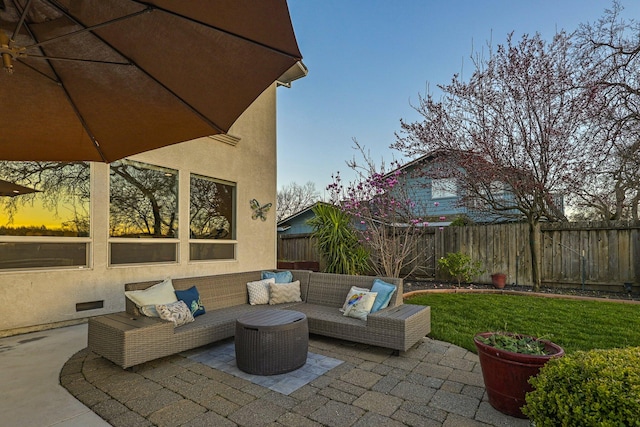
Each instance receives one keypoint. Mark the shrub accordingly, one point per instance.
(592, 388)
(460, 221)
(337, 241)
(460, 266)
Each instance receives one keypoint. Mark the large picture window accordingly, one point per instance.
(46, 225)
(143, 203)
(212, 225)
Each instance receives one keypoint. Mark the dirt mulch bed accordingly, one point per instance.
(412, 287)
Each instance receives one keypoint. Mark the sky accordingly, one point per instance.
(370, 60)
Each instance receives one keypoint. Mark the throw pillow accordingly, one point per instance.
(147, 299)
(385, 291)
(354, 290)
(176, 312)
(149, 310)
(286, 292)
(259, 291)
(191, 297)
(280, 276)
(359, 306)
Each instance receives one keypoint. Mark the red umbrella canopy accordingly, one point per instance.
(99, 80)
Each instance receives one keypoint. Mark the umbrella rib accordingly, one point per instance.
(57, 80)
(23, 15)
(95, 142)
(247, 39)
(95, 61)
(89, 29)
(41, 73)
(182, 101)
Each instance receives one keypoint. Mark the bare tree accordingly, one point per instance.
(211, 209)
(608, 53)
(59, 184)
(143, 201)
(518, 123)
(293, 198)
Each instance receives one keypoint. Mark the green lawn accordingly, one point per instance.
(572, 324)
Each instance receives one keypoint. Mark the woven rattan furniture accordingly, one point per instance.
(121, 337)
(270, 342)
(129, 342)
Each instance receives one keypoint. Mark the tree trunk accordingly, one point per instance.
(534, 246)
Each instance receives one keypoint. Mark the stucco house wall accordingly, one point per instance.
(40, 299)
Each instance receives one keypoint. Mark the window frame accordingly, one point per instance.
(86, 240)
(175, 241)
(446, 194)
(234, 223)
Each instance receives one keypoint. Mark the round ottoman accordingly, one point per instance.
(270, 342)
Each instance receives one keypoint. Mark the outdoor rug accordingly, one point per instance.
(223, 358)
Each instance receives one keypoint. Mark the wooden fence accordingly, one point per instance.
(299, 247)
(590, 254)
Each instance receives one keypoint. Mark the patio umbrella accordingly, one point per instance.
(11, 189)
(99, 80)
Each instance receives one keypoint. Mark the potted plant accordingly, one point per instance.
(499, 280)
(508, 361)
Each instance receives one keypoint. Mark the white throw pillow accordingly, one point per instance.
(259, 291)
(360, 304)
(176, 312)
(147, 299)
(354, 290)
(285, 292)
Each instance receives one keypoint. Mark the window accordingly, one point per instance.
(143, 204)
(497, 188)
(443, 188)
(48, 228)
(212, 225)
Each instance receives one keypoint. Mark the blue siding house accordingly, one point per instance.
(439, 195)
(296, 224)
(437, 199)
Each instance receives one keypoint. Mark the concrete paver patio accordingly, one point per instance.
(432, 384)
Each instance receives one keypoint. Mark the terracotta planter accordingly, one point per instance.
(506, 374)
(499, 280)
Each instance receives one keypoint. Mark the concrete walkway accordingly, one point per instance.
(30, 367)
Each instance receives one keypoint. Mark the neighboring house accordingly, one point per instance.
(201, 192)
(296, 224)
(436, 199)
(440, 195)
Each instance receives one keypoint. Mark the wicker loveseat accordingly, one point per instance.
(128, 338)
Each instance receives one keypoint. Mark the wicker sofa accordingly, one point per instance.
(128, 338)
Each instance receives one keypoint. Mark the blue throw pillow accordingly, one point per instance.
(191, 297)
(280, 276)
(385, 291)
